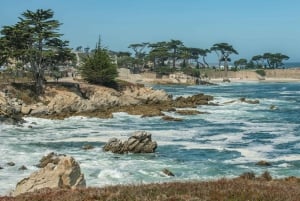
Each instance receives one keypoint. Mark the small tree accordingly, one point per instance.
(98, 68)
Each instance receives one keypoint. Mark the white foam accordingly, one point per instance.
(284, 165)
(108, 174)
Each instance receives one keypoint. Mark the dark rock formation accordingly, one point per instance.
(11, 164)
(23, 167)
(87, 147)
(263, 163)
(249, 101)
(168, 118)
(139, 142)
(168, 173)
(192, 101)
(190, 112)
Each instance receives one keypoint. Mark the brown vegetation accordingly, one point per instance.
(239, 189)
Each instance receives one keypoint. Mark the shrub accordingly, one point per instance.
(261, 72)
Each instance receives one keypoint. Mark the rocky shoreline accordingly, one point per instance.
(80, 99)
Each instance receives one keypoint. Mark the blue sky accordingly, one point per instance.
(251, 26)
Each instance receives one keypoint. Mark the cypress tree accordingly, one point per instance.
(98, 67)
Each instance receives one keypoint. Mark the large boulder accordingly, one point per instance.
(139, 142)
(65, 174)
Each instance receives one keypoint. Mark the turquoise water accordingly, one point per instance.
(226, 142)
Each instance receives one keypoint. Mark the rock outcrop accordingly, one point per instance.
(65, 174)
(62, 100)
(10, 110)
(92, 99)
(139, 142)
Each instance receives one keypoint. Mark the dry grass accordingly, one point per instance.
(254, 189)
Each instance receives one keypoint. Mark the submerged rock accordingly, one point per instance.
(139, 142)
(11, 164)
(23, 167)
(87, 147)
(168, 118)
(65, 174)
(249, 101)
(190, 112)
(263, 163)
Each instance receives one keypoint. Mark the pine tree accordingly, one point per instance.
(98, 67)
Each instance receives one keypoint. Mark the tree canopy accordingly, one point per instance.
(35, 42)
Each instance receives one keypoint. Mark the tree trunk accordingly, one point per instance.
(174, 58)
(204, 61)
(39, 82)
(226, 67)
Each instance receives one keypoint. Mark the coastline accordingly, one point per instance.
(212, 76)
(237, 80)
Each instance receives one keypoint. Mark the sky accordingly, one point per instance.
(252, 27)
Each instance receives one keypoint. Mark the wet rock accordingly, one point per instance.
(263, 163)
(11, 164)
(1, 167)
(115, 146)
(65, 174)
(23, 167)
(190, 112)
(168, 172)
(87, 147)
(168, 118)
(273, 107)
(244, 100)
(229, 102)
(139, 142)
(192, 101)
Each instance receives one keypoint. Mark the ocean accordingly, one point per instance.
(226, 142)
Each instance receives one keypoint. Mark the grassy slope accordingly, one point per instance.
(224, 189)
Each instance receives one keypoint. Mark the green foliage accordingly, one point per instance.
(98, 68)
(223, 50)
(164, 70)
(261, 72)
(269, 60)
(191, 71)
(240, 63)
(34, 40)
